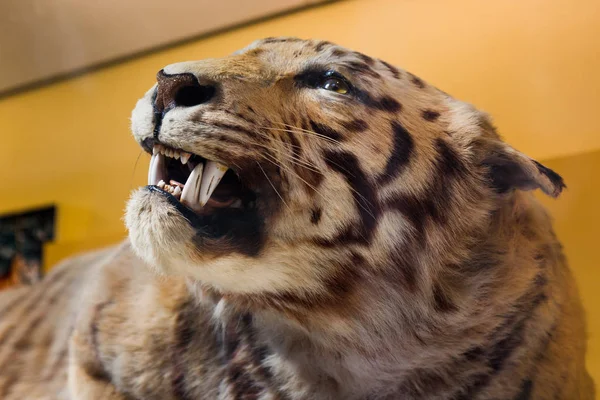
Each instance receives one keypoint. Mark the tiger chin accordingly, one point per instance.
(320, 224)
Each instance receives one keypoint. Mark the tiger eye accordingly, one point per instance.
(335, 85)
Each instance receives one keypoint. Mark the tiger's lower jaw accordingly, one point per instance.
(236, 221)
(164, 232)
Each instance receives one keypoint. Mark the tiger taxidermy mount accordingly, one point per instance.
(318, 224)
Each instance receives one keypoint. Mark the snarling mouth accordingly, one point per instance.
(196, 185)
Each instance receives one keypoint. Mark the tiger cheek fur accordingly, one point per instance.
(373, 238)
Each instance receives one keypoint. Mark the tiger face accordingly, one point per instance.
(297, 171)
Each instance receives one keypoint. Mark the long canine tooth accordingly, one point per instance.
(160, 168)
(157, 170)
(213, 173)
(155, 149)
(191, 191)
(185, 157)
(151, 170)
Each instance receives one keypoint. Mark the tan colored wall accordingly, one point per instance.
(577, 223)
(533, 64)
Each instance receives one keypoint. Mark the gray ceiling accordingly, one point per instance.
(44, 39)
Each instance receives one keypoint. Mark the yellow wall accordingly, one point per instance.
(533, 64)
(577, 222)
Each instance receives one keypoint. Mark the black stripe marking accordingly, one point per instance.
(417, 210)
(417, 81)
(255, 52)
(384, 103)
(184, 333)
(450, 164)
(338, 286)
(240, 116)
(362, 68)
(15, 300)
(449, 167)
(389, 104)
(347, 235)
(395, 71)
(99, 371)
(315, 215)
(258, 354)
(242, 383)
(33, 302)
(319, 47)
(25, 341)
(504, 341)
(355, 125)
(506, 346)
(347, 276)
(346, 164)
(52, 277)
(58, 364)
(435, 203)
(499, 354)
(295, 144)
(430, 115)
(228, 341)
(337, 52)
(311, 179)
(365, 58)
(6, 334)
(237, 129)
(402, 151)
(325, 131)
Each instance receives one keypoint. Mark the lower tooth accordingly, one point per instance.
(175, 183)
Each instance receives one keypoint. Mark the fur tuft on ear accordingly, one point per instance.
(510, 169)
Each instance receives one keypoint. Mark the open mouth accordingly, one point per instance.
(193, 183)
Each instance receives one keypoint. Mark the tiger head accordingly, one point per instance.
(294, 173)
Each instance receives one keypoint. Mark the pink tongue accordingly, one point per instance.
(220, 204)
(223, 196)
(212, 205)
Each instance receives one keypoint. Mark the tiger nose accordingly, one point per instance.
(181, 90)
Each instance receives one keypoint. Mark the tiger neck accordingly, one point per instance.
(393, 333)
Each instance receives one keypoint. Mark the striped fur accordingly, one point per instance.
(396, 254)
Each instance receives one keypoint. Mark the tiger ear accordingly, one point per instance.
(511, 169)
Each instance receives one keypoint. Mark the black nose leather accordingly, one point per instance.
(182, 90)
